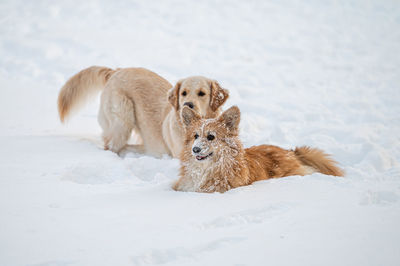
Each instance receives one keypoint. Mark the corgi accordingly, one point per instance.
(213, 158)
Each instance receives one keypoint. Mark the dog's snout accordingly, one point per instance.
(196, 149)
(190, 104)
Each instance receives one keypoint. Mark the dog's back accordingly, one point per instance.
(267, 161)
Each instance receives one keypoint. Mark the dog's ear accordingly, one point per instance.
(231, 118)
(189, 116)
(173, 95)
(218, 95)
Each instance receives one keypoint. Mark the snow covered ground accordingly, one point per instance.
(318, 73)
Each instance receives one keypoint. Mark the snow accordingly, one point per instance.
(324, 74)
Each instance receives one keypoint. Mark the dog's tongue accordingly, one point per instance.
(198, 157)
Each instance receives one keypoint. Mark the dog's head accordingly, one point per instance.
(201, 94)
(211, 139)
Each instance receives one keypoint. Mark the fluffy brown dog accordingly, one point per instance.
(214, 160)
(140, 100)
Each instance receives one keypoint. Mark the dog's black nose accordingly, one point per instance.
(196, 149)
(190, 104)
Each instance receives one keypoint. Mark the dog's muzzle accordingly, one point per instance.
(189, 104)
(196, 152)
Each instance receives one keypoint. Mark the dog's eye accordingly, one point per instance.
(201, 93)
(184, 93)
(196, 136)
(210, 137)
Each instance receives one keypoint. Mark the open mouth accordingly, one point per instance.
(200, 158)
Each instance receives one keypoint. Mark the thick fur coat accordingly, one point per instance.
(214, 160)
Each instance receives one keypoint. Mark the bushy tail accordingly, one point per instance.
(80, 87)
(318, 160)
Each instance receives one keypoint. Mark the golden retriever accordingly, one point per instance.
(139, 100)
(214, 160)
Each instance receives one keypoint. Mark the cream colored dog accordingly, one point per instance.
(140, 100)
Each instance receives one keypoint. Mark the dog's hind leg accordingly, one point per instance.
(117, 120)
(104, 124)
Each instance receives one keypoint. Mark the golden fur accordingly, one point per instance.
(221, 163)
(137, 99)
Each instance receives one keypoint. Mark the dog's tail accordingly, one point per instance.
(80, 87)
(318, 160)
